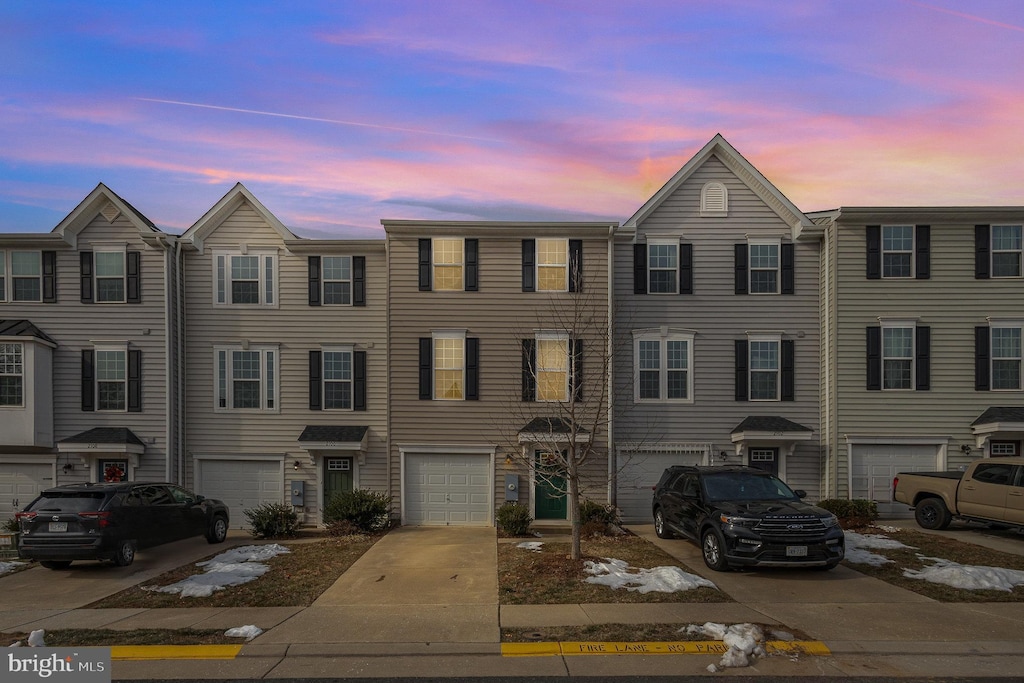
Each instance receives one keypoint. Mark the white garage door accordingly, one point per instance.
(241, 484)
(448, 489)
(20, 483)
(639, 471)
(875, 465)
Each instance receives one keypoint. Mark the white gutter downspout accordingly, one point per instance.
(169, 390)
(179, 341)
(610, 379)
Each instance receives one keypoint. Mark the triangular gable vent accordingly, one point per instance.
(110, 212)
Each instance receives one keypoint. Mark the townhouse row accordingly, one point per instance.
(449, 363)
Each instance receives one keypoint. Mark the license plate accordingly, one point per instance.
(58, 526)
(796, 551)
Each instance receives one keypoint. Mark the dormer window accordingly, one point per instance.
(714, 200)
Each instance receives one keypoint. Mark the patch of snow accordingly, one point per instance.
(37, 638)
(886, 527)
(616, 574)
(967, 577)
(9, 566)
(857, 548)
(231, 568)
(535, 546)
(248, 632)
(745, 643)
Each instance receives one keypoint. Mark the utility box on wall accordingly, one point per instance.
(511, 487)
(298, 493)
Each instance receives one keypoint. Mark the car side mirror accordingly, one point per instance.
(800, 493)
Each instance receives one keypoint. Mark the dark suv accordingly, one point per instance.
(112, 521)
(742, 516)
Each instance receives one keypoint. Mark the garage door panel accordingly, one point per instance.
(638, 474)
(20, 483)
(874, 466)
(445, 489)
(241, 484)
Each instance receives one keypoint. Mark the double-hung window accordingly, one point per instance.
(1006, 251)
(897, 251)
(663, 366)
(111, 379)
(897, 357)
(449, 258)
(1006, 358)
(110, 276)
(449, 366)
(764, 370)
(337, 276)
(337, 378)
(765, 367)
(552, 265)
(552, 367)
(245, 279)
(246, 378)
(26, 276)
(764, 267)
(449, 264)
(663, 267)
(12, 375)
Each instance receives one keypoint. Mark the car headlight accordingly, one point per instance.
(739, 521)
(830, 521)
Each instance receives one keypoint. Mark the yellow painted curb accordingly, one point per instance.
(151, 652)
(698, 647)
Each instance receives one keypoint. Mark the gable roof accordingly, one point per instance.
(719, 147)
(104, 200)
(227, 205)
(24, 328)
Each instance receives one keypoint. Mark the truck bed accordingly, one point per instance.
(948, 474)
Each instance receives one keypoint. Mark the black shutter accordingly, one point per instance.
(787, 257)
(922, 361)
(49, 277)
(788, 370)
(576, 375)
(742, 363)
(314, 281)
(529, 265)
(133, 265)
(425, 265)
(426, 368)
(873, 335)
(575, 265)
(85, 258)
(359, 380)
(472, 250)
(529, 363)
(358, 280)
(742, 254)
(134, 381)
(923, 252)
(88, 381)
(982, 247)
(873, 238)
(315, 381)
(472, 369)
(982, 348)
(639, 268)
(686, 268)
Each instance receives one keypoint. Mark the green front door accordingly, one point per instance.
(549, 491)
(337, 476)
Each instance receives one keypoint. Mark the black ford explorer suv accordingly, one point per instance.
(742, 516)
(110, 521)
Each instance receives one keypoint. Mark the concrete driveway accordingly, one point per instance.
(87, 581)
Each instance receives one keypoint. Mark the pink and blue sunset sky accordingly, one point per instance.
(338, 114)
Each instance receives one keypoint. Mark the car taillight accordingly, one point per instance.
(27, 516)
(102, 518)
(895, 481)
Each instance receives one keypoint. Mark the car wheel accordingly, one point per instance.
(932, 513)
(218, 530)
(125, 554)
(659, 525)
(55, 564)
(712, 546)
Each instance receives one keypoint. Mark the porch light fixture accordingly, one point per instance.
(723, 455)
(67, 467)
(966, 448)
(295, 465)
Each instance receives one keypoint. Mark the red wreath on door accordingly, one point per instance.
(113, 473)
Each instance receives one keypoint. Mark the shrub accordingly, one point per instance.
(597, 518)
(342, 527)
(851, 513)
(10, 526)
(514, 519)
(365, 510)
(272, 520)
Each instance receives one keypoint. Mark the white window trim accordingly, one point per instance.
(123, 251)
(913, 250)
(434, 263)
(222, 259)
(538, 266)
(9, 287)
(23, 375)
(707, 211)
(264, 351)
(675, 280)
(1009, 323)
(446, 334)
(120, 348)
(757, 241)
(324, 280)
(663, 336)
(900, 324)
(340, 348)
(775, 338)
(557, 336)
(993, 252)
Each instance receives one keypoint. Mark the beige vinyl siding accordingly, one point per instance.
(500, 314)
(76, 326)
(296, 328)
(719, 317)
(951, 303)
